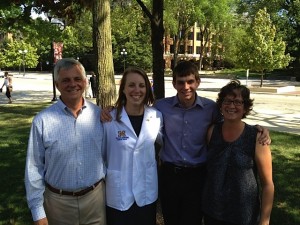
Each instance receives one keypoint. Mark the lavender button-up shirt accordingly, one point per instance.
(185, 130)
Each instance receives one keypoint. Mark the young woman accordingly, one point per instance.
(129, 139)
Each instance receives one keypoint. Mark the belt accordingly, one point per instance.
(73, 193)
(182, 169)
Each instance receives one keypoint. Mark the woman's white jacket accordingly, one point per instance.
(130, 160)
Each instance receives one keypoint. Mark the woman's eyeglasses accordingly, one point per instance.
(235, 102)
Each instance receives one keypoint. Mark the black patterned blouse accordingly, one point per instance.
(231, 192)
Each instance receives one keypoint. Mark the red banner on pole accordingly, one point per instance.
(57, 51)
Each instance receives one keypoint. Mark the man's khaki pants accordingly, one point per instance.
(88, 209)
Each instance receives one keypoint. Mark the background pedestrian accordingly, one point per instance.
(8, 85)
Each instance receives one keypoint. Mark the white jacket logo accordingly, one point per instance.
(121, 135)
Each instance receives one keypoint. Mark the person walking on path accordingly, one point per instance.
(87, 93)
(235, 160)
(64, 172)
(93, 83)
(9, 87)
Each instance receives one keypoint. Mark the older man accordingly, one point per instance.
(64, 167)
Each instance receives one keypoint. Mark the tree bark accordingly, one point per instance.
(104, 70)
(261, 79)
(157, 34)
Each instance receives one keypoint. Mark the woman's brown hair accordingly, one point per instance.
(121, 101)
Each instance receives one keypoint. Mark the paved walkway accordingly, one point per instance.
(276, 111)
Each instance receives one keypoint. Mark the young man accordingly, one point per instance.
(64, 167)
(187, 117)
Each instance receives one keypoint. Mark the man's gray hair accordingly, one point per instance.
(67, 63)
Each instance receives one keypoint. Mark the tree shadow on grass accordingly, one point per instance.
(286, 167)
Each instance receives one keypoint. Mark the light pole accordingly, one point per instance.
(124, 54)
(52, 70)
(61, 25)
(23, 52)
(47, 63)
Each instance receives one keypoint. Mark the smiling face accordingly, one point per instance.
(235, 91)
(186, 87)
(134, 90)
(71, 84)
(232, 106)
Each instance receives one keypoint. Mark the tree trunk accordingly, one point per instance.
(200, 61)
(106, 93)
(157, 34)
(201, 51)
(175, 54)
(176, 44)
(261, 79)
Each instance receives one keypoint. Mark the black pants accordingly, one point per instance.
(180, 192)
(7, 93)
(135, 215)
(94, 92)
(211, 221)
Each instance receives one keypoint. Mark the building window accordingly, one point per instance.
(191, 36)
(198, 50)
(181, 49)
(171, 48)
(198, 36)
(190, 49)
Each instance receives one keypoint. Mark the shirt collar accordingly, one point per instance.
(198, 101)
(64, 108)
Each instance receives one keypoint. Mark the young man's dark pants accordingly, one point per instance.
(180, 193)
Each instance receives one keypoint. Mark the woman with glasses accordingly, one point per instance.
(232, 194)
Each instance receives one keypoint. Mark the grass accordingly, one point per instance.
(15, 121)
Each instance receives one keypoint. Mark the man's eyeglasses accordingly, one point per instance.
(235, 102)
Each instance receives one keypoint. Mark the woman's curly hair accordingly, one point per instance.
(230, 89)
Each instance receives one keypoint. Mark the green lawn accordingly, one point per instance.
(15, 123)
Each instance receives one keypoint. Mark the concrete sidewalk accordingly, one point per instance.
(276, 111)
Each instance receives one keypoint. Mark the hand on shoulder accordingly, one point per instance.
(105, 114)
(264, 136)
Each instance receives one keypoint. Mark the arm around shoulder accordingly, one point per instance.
(209, 133)
(105, 114)
(264, 138)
